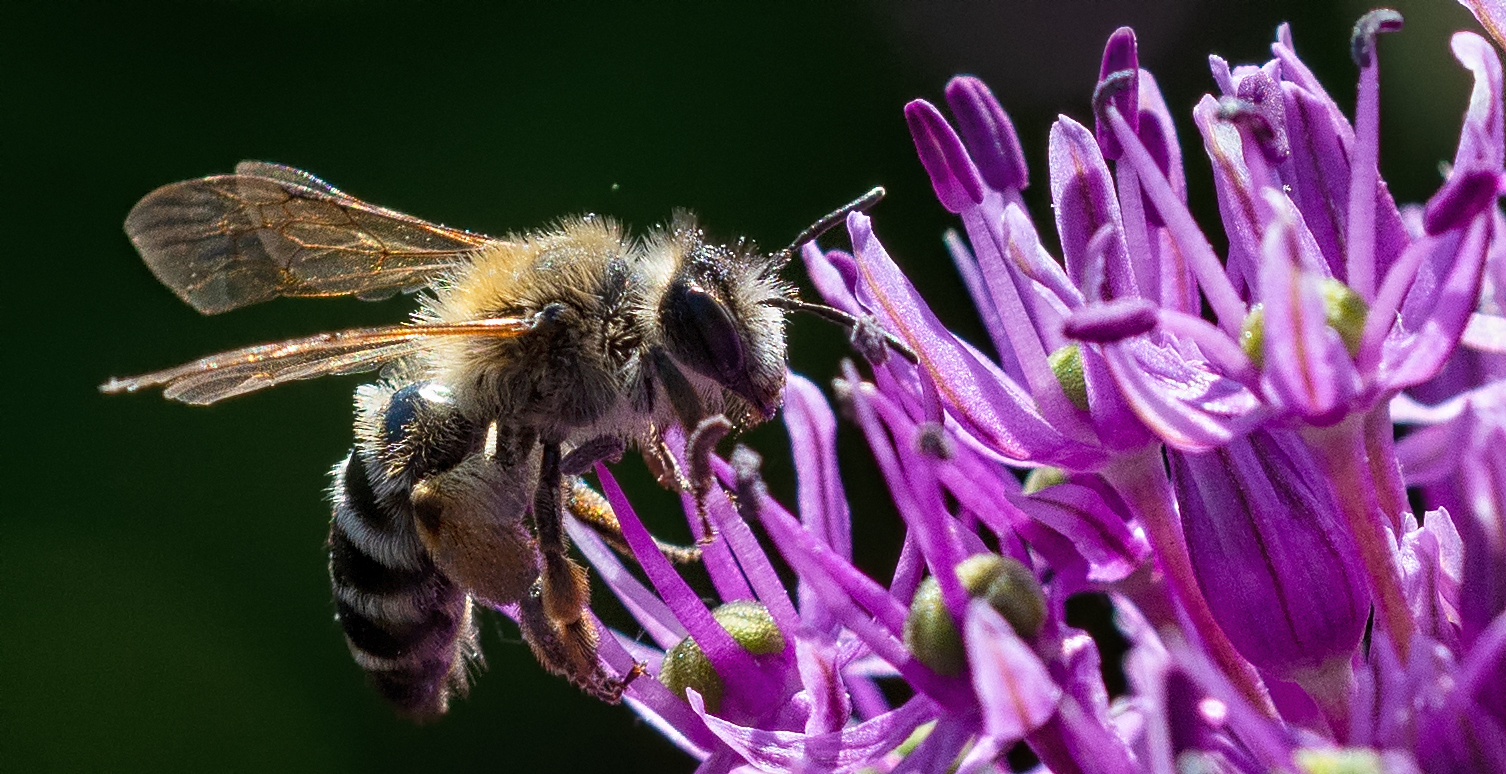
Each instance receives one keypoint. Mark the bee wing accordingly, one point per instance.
(268, 230)
(240, 371)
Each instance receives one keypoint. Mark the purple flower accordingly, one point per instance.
(1232, 483)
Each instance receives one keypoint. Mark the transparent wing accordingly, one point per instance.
(268, 230)
(240, 371)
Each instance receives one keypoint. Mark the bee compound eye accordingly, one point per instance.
(703, 334)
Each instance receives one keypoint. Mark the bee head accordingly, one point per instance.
(717, 323)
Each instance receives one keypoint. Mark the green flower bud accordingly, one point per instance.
(1008, 586)
(1042, 477)
(1345, 312)
(751, 625)
(1252, 335)
(686, 665)
(930, 633)
(1350, 761)
(1066, 363)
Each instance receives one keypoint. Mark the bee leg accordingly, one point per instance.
(569, 650)
(591, 509)
(566, 589)
(581, 458)
(661, 462)
(702, 444)
(470, 519)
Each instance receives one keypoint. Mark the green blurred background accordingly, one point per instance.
(163, 599)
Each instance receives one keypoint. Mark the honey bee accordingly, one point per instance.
(529, 358)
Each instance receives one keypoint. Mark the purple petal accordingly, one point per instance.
(977, 395)
(1266, 115)
(840, 752)
(1438, 313)
(831, 707)
(1460, 199)
(1014, 689)
(733, 664)
(1238, 201)
(1119, 55)
(915, 494)
(1429, 454)
(1222, 77)
(823, 504)
(1032, 260)
(1491, 14)
(1008, 251)
(1222, 352)
(1159, 134)
(646, 608)
(953, 175)
(1110, 321)
(1186, 405)
(977, 288)
(751, 559)
(1306, 363)
(861, 605)
(1112, 549)
(828, 278)
(940, 748)
(1431, 560)
(1468, 733)
(1317, 172)
(1364, 174)
(652, 701)
(988, 133)
(1085, 201)
(1485, 333)
(1481, 141)
(1184, 231)
(1263, 531)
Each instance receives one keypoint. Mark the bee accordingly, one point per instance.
(529, 358)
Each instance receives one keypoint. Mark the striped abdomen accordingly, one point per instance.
(408, 625)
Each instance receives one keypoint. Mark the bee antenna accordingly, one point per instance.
(867, 335)
(825, 224)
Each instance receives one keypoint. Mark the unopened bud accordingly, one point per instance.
(1252, 335)
(1009, 588)
(1344, 311)
(1066, 363)
(686, 665)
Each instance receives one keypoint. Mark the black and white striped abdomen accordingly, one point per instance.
(407, 625)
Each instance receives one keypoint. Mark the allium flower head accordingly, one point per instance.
(1231, 483)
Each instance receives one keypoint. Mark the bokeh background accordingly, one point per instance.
(163, 599)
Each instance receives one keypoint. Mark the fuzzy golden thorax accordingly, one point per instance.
(623, 331)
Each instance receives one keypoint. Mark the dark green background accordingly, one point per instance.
(163, 600)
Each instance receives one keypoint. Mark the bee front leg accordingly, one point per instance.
(588, 507)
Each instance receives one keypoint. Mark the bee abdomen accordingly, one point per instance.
(408, 626)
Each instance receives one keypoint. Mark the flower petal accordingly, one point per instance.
(982, 399)
(988, 133)
(953, 175)
(840, 752)
(1014, 689)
